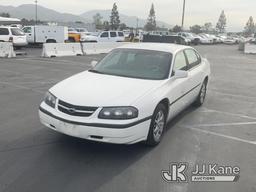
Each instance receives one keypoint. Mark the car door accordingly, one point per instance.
(176, 85)
(195, 74)
(104, 37)
(4, 34)
(29, 34)
(113, 36)
(120, 36)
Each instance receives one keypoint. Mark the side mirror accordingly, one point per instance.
(179, 74)
(94, 63)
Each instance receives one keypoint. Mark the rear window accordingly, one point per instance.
(4, 31)
(17, 32)
(113, 34)
(120, 34)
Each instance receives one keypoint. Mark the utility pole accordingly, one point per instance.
(36, 10)
(183, 14)
(137, 25)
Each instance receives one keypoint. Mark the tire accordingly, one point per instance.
(71, 40)
(155, 133)
(202, 94)
(50, 41)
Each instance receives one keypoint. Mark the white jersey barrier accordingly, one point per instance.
(250, 48)
(6, 50)
(99, 48)
(61, 49)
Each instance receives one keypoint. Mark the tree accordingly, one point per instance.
(207, 27)
(123, 26)
(151, 23)
(249, 29)
(106, 26)
(5, 15)
(97, 21)
(222, 23)
(79, 22)
(177, 29)
(114, 18)
(25, 22)
(196, 29)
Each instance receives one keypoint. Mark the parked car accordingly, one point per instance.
(130, 95)
(89, 37)
(193, 39)
(14, 35)
(127, 33)
(230, 41)
(111, 36)
(204, 39)
(73, 35)
(46, 34)
(81, 30)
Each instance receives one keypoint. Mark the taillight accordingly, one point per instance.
(11, 39)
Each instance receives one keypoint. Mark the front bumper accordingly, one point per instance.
(20, 44)
(115, 133)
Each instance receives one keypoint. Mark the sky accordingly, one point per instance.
(169, 11)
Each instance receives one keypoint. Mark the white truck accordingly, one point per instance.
(46, 34)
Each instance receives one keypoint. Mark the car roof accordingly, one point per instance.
(164, 47)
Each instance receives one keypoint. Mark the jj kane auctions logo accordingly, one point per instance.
(201, 173)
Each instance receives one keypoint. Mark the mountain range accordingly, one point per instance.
(27, 11)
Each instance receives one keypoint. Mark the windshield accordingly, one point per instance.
(17, 32)
(133, 63)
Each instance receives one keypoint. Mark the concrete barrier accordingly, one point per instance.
(250, 48)
(99, 48)
(61, 49)
(241, 46)
(6, 50)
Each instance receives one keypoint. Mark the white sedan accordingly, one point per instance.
(129, 96)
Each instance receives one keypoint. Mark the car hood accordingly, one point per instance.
(92, 89)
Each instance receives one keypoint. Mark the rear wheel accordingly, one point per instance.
(50, 41)
(202, 94)
(71, 40)
(157, 126)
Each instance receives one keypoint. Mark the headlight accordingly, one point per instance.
(118, 113)
(50, 99)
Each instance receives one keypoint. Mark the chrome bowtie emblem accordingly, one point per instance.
(71, 110)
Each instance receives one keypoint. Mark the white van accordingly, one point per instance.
(111, 36)
(46, 34)
(14, 35)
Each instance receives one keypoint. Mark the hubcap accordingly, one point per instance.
(159, 125)
(203, 93)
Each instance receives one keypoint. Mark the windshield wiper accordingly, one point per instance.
(95, 71)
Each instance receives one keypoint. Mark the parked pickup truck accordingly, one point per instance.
(46, 34)
(14, 35)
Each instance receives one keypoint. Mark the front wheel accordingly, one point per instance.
(157, 126)
(202, 94)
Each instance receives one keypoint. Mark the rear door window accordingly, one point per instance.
(120, 34)
(113, 34)
(4, 31)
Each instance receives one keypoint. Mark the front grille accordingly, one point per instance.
(75, 110)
